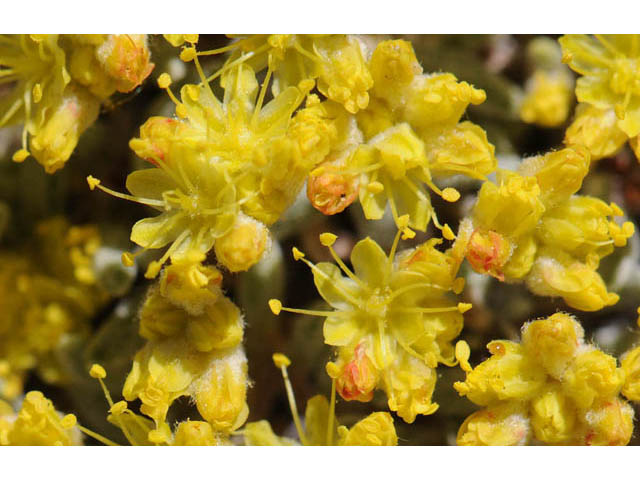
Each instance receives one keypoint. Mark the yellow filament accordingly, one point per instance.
(346, 269)
(263, 92)
(292, 405)
(97, 436)
(124, 196)
(332, 413)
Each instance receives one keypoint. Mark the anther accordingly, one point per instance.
(93, 182)
(97, 371)
(21, 155)
(328, 239)
(297, 254)
(275, 305)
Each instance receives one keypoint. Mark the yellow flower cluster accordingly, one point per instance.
(531, 227)
(224, 169)
(549, 90)
(37, 423)
(608, 91)
(550, 388)
(321, 427)
(336, 61)
(48, 293)
(391, 321)
(58, 84)
(409, 132)
(141, 431)
(193, 349)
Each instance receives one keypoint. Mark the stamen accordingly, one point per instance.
(276, 307)
(281, 361)
(263, 92)
(402, 223)
(328, 239)
(461, 307)
(97, 436)
(94, 182)
(230, 65)
(216, 51)
(154, 267)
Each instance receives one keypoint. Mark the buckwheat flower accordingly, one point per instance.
(391, 321)
(596, 129)
(216, 380)
(549, 90)
(126, 59)
(321, 428)
(499, 425)
(58, 135)
(610, 69)
(140, 430)
(194, 433)
(189, 284)
(224, 170)
(531, 227)
(337, 62)
(188, 354)
(36, 64)
(59, 83)
(37, 423)
(412, 134)
(610, 82)
(551, 387)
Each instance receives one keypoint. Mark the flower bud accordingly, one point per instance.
(53, 144)
(126, 58)
(194, 433)
(243, 246)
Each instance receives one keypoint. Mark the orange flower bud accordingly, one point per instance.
(332, 192)
(358, 377)
(488, 252)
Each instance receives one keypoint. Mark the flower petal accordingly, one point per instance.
(370, 263)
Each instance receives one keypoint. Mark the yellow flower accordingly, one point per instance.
(531, 227)
(194, 433)
(547, 99)
(551, 387)
(140, 430)
(216, 380)
(219, 164)
(413, 132)
(190, 285)
(37, 423)
(596, 129)
(610, 85)
(391, 321)
(548, 92)
(59, 82)
(499, 425)
(336, 61)
(610, 69)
